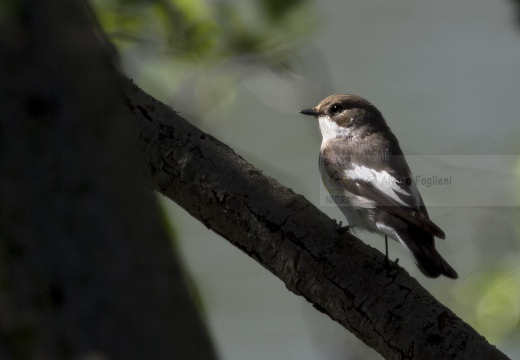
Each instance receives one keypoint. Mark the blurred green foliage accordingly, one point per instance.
(489, 300)
(197, 31)
(200, 50)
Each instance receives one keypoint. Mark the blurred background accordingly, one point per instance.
(445, 76)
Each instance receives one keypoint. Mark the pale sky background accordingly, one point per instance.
(445, 75)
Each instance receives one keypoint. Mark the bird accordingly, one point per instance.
(364, 169)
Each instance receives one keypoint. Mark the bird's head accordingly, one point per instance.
(344, 115)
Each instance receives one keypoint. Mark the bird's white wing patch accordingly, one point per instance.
(380, 180)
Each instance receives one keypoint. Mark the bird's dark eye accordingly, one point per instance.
(336, 109)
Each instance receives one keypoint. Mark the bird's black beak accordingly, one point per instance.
(311, 111)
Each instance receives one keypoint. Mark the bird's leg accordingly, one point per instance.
(386, 264)
(387, 260)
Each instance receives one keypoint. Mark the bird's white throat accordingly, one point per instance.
(330, 129)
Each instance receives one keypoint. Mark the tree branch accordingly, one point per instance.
(341, 276)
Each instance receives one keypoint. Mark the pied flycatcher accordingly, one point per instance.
(365, 171)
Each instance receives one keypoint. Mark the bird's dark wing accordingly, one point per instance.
(383, 180)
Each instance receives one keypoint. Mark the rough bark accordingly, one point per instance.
(340, 276)
(87, 268)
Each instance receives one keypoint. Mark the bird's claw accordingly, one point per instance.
(389, 265)
(341, 229)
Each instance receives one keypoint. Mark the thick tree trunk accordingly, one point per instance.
(87, 268)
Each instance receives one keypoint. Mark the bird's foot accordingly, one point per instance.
(341, 229)
(389, 265)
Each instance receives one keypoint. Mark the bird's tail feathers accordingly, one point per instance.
(427, 258)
